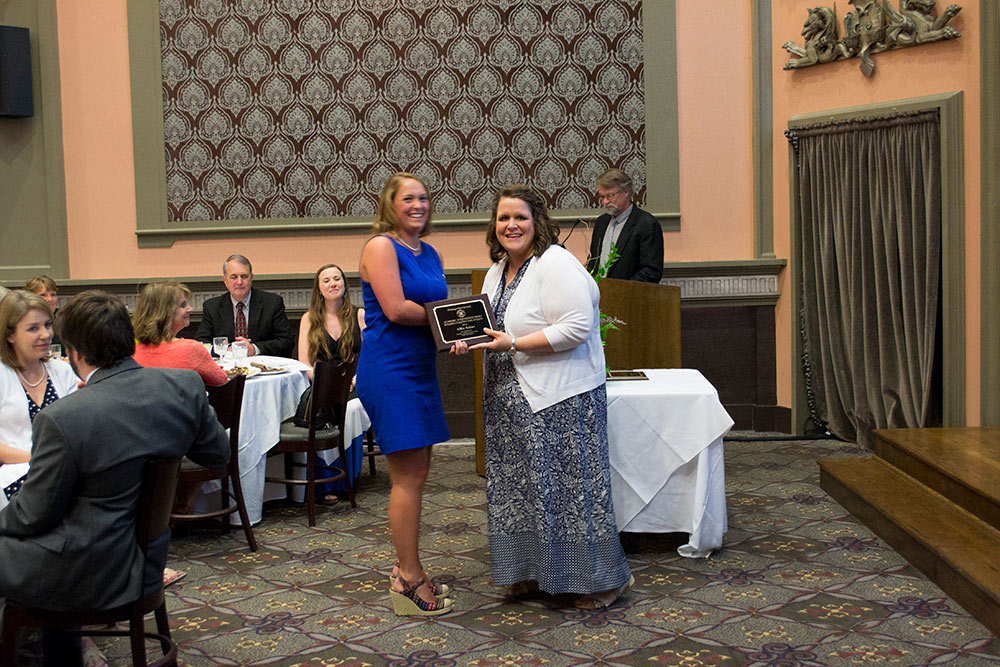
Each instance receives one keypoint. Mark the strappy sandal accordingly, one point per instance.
(604, 599)
(437, 590)
(408, 603)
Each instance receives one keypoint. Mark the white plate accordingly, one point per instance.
(277, 372)
(251, 371)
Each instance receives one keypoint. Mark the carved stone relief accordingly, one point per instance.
(874, 26)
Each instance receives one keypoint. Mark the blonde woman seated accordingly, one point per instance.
(163, 311)
(29, 379)
(45, 287)
(331, 329)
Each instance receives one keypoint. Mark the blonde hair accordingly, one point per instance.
(347, 315)
(154, 315)
(40, 283)
(13, 307)
(385, 215)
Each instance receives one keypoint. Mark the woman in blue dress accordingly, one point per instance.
(548, 480)
(397, 374)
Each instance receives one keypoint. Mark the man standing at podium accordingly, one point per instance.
(634, 232)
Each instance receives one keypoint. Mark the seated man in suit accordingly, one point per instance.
(635, 233)
(245, 313)
(67, 538)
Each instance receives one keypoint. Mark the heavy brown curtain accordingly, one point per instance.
(869, 205)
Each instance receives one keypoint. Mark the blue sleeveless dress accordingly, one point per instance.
(397, 370)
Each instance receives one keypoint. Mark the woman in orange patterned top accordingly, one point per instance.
(163, 311)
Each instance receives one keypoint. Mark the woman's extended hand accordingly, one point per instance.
(500, 343)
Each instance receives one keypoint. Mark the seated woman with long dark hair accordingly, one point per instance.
(330, 331)
(163, 311)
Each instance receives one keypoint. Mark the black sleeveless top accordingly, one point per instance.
(334, 343)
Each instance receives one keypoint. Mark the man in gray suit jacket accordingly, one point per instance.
(265, 325)
(635, 233)
(67, 538)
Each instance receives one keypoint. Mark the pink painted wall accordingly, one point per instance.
(931, 69)
(714, 112)
(714, 91)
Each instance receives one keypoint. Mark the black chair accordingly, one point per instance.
(331, 389)
(228, 403)
(159, 483)
(371, 450)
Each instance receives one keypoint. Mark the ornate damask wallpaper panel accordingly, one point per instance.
(302, 108)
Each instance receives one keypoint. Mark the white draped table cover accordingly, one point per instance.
(665, 447)
(267, 401)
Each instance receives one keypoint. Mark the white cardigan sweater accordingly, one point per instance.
(557, 296)
(15, 426)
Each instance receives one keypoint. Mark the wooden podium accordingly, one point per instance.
(650, 337)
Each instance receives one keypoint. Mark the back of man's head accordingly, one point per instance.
(97, 325)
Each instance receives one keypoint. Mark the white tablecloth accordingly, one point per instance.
(267, 401)
(665, 446)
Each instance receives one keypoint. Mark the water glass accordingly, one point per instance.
(220, 345)
(240, 350)
(55, 350)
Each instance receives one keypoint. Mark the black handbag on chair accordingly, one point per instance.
(301, 416)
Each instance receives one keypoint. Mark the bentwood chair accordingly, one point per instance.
(228, 403)
(371, 450)
(331, 390)
(159, 482)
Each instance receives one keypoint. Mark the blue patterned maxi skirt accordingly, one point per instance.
(548, 489)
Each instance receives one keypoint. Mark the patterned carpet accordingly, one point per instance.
(799, 582)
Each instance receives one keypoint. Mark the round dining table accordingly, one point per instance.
(270, 398)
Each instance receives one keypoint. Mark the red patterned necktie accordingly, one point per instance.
(241, 321)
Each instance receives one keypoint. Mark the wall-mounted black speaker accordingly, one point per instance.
(15, 72)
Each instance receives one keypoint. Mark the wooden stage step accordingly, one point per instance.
(951, 546)
(962, 464)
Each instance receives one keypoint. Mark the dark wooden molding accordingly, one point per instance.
(763, 134)
(989, 223)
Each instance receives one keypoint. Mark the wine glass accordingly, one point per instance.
(55, 350)
(220, 345)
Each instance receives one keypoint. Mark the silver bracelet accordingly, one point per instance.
(513, 345)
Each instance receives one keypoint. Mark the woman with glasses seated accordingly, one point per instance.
(163, 311)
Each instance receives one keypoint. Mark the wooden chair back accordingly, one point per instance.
(156, 497)
(228, 403)
(331, 391)
(227, 400)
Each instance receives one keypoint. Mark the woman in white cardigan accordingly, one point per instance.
(29, 379)
(548, 483)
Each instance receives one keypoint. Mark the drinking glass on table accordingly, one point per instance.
(240, 350)
(55, 350)
(220, 345)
